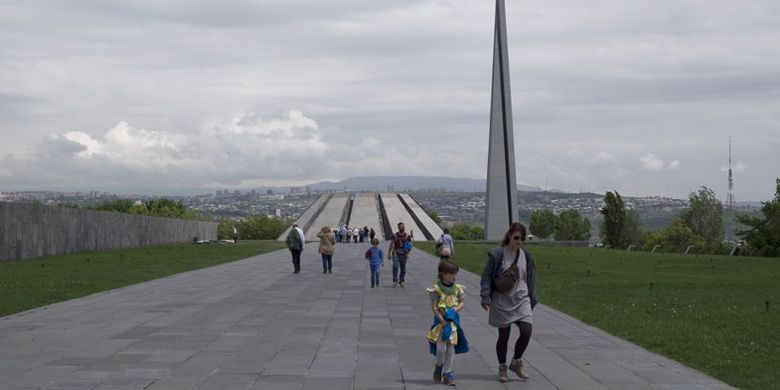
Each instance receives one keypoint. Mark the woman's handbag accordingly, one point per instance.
(506, 281)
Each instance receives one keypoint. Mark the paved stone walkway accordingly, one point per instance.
(253, 324)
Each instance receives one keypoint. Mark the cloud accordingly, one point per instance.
(385, 87)
(651, 163)
(244, 151)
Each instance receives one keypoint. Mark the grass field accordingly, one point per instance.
(38, 282)
(707, 312)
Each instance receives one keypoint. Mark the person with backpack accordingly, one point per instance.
(400, 246)
(508, 291)
(295, 242)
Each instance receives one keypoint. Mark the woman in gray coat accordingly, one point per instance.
(513, 306)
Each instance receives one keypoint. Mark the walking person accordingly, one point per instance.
(349, 234)
(327, 243)
(398, 251)
(295, 242)
(376, 259)
(372, 234)
(445, 247)
(508, 291)
(342, 233)
(235, 235)
(355, 233)
(446, 338)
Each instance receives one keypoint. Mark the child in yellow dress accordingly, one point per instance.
(446, 337)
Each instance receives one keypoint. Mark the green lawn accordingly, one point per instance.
(28, 284)
(707, 312)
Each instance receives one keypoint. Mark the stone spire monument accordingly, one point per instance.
(501, 200)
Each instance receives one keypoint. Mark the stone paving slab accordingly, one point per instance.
(252, 324)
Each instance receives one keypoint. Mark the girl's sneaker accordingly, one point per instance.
(449, 379)
(437, 374)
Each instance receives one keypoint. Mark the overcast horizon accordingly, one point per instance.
(179, 97)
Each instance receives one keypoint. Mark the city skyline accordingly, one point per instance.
(177, 98)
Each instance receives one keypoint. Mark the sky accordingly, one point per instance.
(177, 97)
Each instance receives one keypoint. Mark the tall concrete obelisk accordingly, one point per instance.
(501, 207)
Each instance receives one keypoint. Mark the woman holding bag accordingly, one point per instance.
(508, 291)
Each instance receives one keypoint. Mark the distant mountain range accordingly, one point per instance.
(410, 183)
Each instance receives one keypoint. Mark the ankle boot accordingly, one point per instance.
(517, 367)
(502, 376)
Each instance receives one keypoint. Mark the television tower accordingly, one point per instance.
(730, 201)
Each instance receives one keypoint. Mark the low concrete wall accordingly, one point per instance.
(33, 230)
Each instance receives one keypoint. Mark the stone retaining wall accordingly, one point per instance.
(33, 230)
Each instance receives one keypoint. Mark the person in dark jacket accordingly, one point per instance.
(295, 242)
(514, 306)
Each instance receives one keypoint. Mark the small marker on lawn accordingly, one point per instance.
(767, 306)
(651, 285)
(588, 272)
(548, 265)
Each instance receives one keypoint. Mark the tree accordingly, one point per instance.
(571, 226)
(464, 231)
(165, 208)
(632, 229)
(621, 228)
(763, 236)
(435, 217)
(674, 238)
(119, 205)
(155, 208)
(259, 227)
(705, 218)
(542, 223)
(225, 229)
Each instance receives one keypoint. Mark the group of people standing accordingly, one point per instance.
(345, 234)
(507, 291)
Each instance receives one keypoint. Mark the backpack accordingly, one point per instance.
(402, 244)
